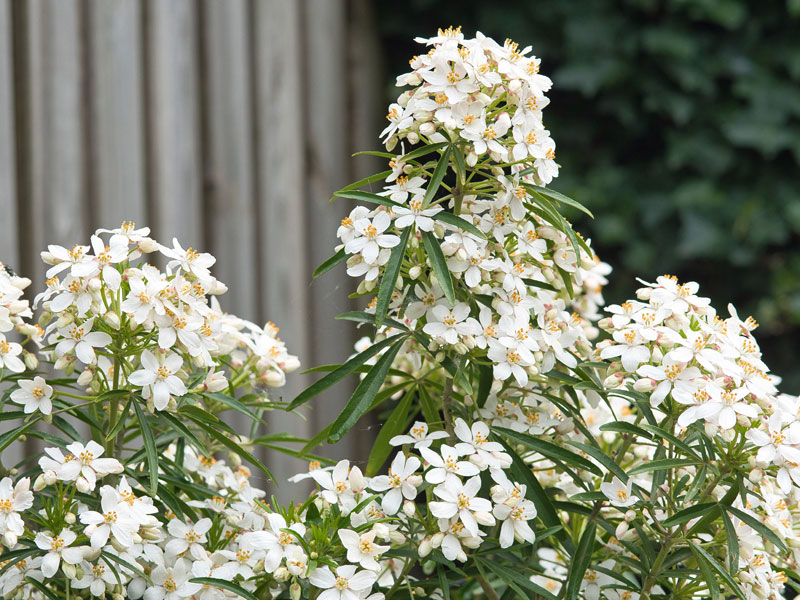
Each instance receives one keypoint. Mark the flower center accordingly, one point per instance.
(342, 583)
(170, 585)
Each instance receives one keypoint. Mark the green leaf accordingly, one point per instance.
(232, 403)
(663, 464)
(559, 197)
(687, 514)
(43, 588)
(602, 458)
(359, 316)
(623, 427)
(393, 426)
(149, 447)
(341, 372)
(368, 198)
(678, 443)
(732, 541)
(422, 151)
(540, 284)
(389, 279)
(224, 584)
(10, 437)
(439, 264)
(443, 585)
(550, 450)
(461, 167)
(123, 416)
(436, 178)
(334, 260)
(721, 571)
(365, 393)
(760, 527)
(176, 424)
(235, 448)
(451, 219)
(580, 561)
(708, 574)
(367, 180)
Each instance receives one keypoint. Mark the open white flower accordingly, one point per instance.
(82, 464)
(34, 394)
(172, 583)
(418, 436)
(95, 577)
(13, 500)
(103, 260)
(187, 536)
(57, 547)
(460, 499)
(446, 463)
(448, 325)
(9, 355)
(371, 237)
(347, 584)
(401, 482)
(361, 548)
(157, 378)
(618, 493)
(189, 261)
(515, 521)
(475, 444)
(83, 340)
(114, 520)
(416, 215)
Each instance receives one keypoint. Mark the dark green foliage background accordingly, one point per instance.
(678, 125)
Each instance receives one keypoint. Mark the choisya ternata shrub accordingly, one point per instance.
(522, 452)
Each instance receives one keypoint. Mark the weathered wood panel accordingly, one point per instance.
(8, 163)
(117, 112)
(175, 207)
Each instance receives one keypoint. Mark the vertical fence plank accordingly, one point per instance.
(327, 150)
(8, 164)
(118, 175)
(282, 239)
(230, 201)
(174, 124)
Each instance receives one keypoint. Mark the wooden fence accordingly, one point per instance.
(226, 123)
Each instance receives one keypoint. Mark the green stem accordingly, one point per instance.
(487, 588)
(446, 398)
(652, 577)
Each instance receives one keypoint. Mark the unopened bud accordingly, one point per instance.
(436, 539)
(711, 429)
(755, 476)
(85, 378)
(83, 485)
(70, 571)
(147, 245)
(10, 539)
(606, 323)
(70, 519)
(622, 529)
(630, 515)
(484, 518)
(614, 381)
(39, 483)
(281, 574)
(31, 362)
(425, 547)
(295, 590)
(415, 271)
(412, 137)
(112, 319)
(427, 129)
(397, 537)
(645, 385)
(409, 508)
(644, 293)
(64, 319)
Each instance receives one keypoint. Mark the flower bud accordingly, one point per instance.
(409, 508)
(95, 284)
(622, 529)
(427, 129)
(436, 539)
(644, 293)
(755, 476)
(85, 378)
(39, 483)
(630, 515)
(645, 385)
(412, 137)
(31, 362)
(64, 319)
(484, 518)
(397, 538)
(606, 323)
(657, 355)
(461, 556)
(83, 485)
(281, 574)
(50, 477)
(711, 429)
(295, 590)
(472, 158)
(391, 143)
(428, 567)
(415, 271)
(70, 571)
(271, 378)
(425, 547)
(147, 245)
(613, 381)
(112, 319)
(10, 539)
(370, 285)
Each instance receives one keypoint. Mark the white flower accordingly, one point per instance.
(475, 442)
(172, 583)
(361, 548)
(241, 562)
(187, 536)
(75, 290)
(114, 519)
(278, 542)
(189, 260)
(13, 500)
(34, 394)
(446, 463)
(618, 493)
(103, 261)
(57, 547)
(9, 355)
(341, 485)
(347, 584)
(419, 436)
(83, 340)
(144, 299)
(447, 325)
(400, 482)
(158, 379)
(460, 499)
(630, 347)
(486, 135)
(95, 577)
(416, 215)
(669, 374)
(83, 463)
(371, 237)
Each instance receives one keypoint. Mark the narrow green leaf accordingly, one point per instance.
(602, 458)
(389, 279)
(393, 426)
(732, 541)
(187, 433)
(708, 574)
(443, 585)
(550, 450)
(451, 219)
(232, 403)
(760, 527)
(437, 176)
(623, 427)
(43, 588)
(365, 393)
(151, 452)
(123, 416)
(373, 153)
(721, 571)
(359, 316)
(658, 432)
(539, 284)
(334, 260)
(461, 166)
(10, 437)
(224, 584)
(687, 514)
(439, 264)
(367, 180)
(580, 561)
(559, 197)
(341, 372)
(235, 448)
(663, 464)
(367, 197)
(422, 151)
